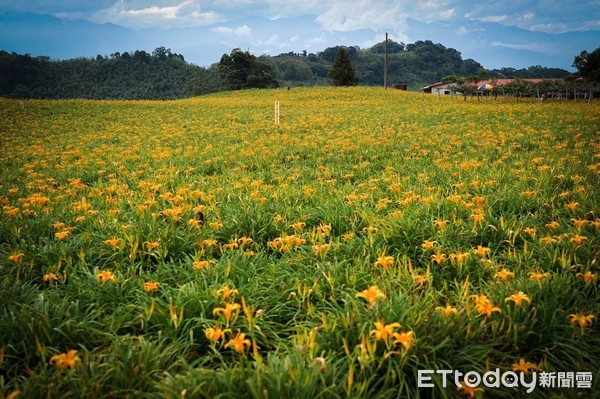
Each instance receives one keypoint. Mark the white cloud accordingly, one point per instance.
(170, 15)
(240, 31)
(381, 15)
(495, 18)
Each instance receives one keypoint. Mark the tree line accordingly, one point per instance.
(163, 74)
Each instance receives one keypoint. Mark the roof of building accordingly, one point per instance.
(493, 82)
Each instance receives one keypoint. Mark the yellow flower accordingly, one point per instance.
(419, 279)
(530, 230)
(239, 342)
(504, 274)
(325, 228)
(383, 332)
(215, 225)
(577, 239)
(547, 240)
(447, 310)
(441, 224)
(49, 277)
(428, 245)
(524, 366)
(579, 223)
(231, 245)
(581, 319)
(459, 257)
(553, 225)
(298, 226)
(438, 258)
(518, 298)
(370, 229)
(105, 276)
(484, 305)
(226, 292)
(152, 245)
(471, 391)
(230, 309)
(406, 339)
(529, 193)
(209, 243)
(16, 257)
(113, 242)
(588, 277)
(371, 294)
(215, 334)
(538, 276)
(245, 240)
(348, 235)
(384, 261)
(66, 360)
(320, 248)
(61, 235)
(478, 216)
(151, 286)
(482, 251)
(193, 222)
(572, 205)
(200, 264)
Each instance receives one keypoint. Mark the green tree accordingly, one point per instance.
(342, 72)
(205, 81)
(242, 70)
(588, 65)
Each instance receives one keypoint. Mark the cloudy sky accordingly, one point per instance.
(237, 22)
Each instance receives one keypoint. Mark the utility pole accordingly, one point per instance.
(385, 61)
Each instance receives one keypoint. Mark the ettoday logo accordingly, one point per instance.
(509, 379)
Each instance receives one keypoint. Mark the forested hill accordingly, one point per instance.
(166, 75)
(136, 75)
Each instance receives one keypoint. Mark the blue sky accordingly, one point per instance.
(528, 28)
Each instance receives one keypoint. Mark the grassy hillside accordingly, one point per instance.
(194, 248)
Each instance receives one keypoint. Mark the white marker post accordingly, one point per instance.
(277, 112)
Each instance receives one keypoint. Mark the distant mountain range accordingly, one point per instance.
(491, 44)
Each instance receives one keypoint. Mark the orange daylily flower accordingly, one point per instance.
(226, 292)
(524, 366)
(239, 342)
(384, 261)
(371, 294)
(581, 319)
(151, 286)
(447, 310)
(518, 298)
(230, 309)
(504, 274)
(66, 360)
(383, 332)
(106, 276)
(406, 339)
(215, 333)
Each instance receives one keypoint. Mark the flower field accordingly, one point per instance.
(194, 248)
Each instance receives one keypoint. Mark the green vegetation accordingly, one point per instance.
(342, 72)
(241, 70)
(166, 75)
(136, 75)
(194, 249)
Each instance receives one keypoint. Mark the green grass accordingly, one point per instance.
(349, 177)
